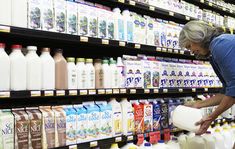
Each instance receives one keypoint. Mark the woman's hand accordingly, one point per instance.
(204, 125)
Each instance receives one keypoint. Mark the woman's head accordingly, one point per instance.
(196, 36)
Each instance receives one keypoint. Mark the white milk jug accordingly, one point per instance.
(209, 140)
(219, 139)
(5, 69)
(196, 142)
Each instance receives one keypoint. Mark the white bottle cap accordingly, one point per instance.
(126, 13)
(116, 10)
(32, 48)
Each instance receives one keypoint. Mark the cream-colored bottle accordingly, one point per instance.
(90, 74)
(72, 73)
(99, 74)
(81, 73)
(61, 74)
(4, 69)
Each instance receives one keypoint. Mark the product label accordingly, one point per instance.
(155, 74)
(106, 123)
(72, 17)
(83, 20)
(121, 29)
(164, 122)
(93, 125)
(156, 117)
(117, 119)
(70, 129)
(130, 122)
(47, 15)
(50, 131)
(129, 31)
(139, 119)
(81, 127)
(93, 24)
(60, 16)
(34, 14)
(7, 129)
(61, 129)
(147, 74)
(148, 118)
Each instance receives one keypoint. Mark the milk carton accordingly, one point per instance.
(137, 28)
(147, 75)
(110, 25)
(164, 73)
(70, 125)
(93, 124)
(117, 117)
(138, 76)
(193, 75)
(119, 24)
(128, 26)
(35, 128)
(150, 30)
(106, 119)
(142, 30)
(171, 107)
(129, 73)
(21, 128)
(102, 23)
(164, 122)
(172, 74)
(47, 15)
(186, 75)
(157, 32)
(82, 19)
(82, 120)
(206, 75)
(93, 21)
(60, 15)
(138, 117)
(71, 17)
(179, 77)
(60, 126)
(7, 129)
(156, 114)
(200, 76)
(34, 14)
(163, 34)
(148, 115)
(169, 35)
(155, 71)
(48, 127)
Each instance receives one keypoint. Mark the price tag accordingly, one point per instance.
(180, 90)
(116, 91)
(109, 91)
(176, 51)
(202, 1)
(93, 144)
(132, 91)
(156, 90)
(83, 92)
(164, 49)
(231, 30)
(140, 139)
(130, 138)
(152, 8)
(48, 93)
(193, 89)
(5, 29)
(191, 54)
(73, 92)
(101, 91)
(92, 92)
(105, 41)
(170, 50)
(187, 18)
(181, 52)
(167, 135)
(165, 90)
(206, 89)
(60, 93)
(122, 43)
(146, 91)
(4, 94)
(132, 3)
(118, 139)
(123, 91)
(35, 93)
(210, 4)
(73, 147)
(83, 39)
(137, 46)
(171, 13)
(158, 49)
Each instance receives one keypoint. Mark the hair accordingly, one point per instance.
(198, 32)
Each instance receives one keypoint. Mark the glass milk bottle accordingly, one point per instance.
(81, 73)
(48, 70)
(107, 75)
(33, 69)
(61, 74)
(72, 73)
(18, 69)
(114, 74)
(4, 69)
(90, 74)
(99, 74)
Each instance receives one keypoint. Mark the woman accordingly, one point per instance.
(208, 42)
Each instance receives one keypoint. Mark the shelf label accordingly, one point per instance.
(83, 92)
(92, 92)
(224, 9)
(48, 93)
(170, 50)
(4, 94)
(132, 91)
(83, 39)
(171, 13)
(130, 138)
(121, 1)
(93, 144)
(101, 91)
(210, 4)
(202, 1)
(60, 93)
(123, 91)
(164, 49)
(105, 41)
(73, 92)
(206, 89)
(193, 89)
(118, 139)
(158, 49)
(165, 90)
(35, 93)
(109, 91)
(156, 90)
(152, 8)
(146, 91)
(180, 90)
(73, 147)
(140, 139)
(132, 3)
(176, 51)
(187, 18)
(181, 52)
(5, 29)
(122, 43)
(137, 46)
(116, 91)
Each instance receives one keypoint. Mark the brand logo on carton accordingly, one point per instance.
(71, 119)
(49, 124)
(164, 73)
(61, 123)
(94, 117)
(139, 112)
(8, 129)
(106, 115)
(22, 127)
(81, 117)
(35, 126)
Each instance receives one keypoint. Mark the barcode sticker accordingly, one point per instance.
(35, 93)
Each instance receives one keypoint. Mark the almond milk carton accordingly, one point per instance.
(21, 128)
(48, 127)
(7, 129)
(60, 126)
(35, 128)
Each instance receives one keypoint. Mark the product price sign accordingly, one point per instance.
(180, 90)
(171, 13)
(164, 49)
(60, 93)
(140, 139)
(4, 94)
(123, 91)
(48, 93)
(130, 138)
(193, 89)
(73, 92)
(132, 3)
(121, 1)
(93, 144)
(202, 1)
(158, 49)
(206, 89)
(105, 41)
(122, 43)
(146, 91)
(231, 30)
(176, 51)
(116, 91)
(165, 90)
(187, 18)
(224, 9)
(83, 39)
(92, 92)
(156, 90)
(83, 92)
(118, 139)
(210, 4)
(101, 91)
(35, 93)
(181, 52)
(109, 91)
(152, 8)
(5, 29)
(73, 147)
(132, 91)
(137, 46)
